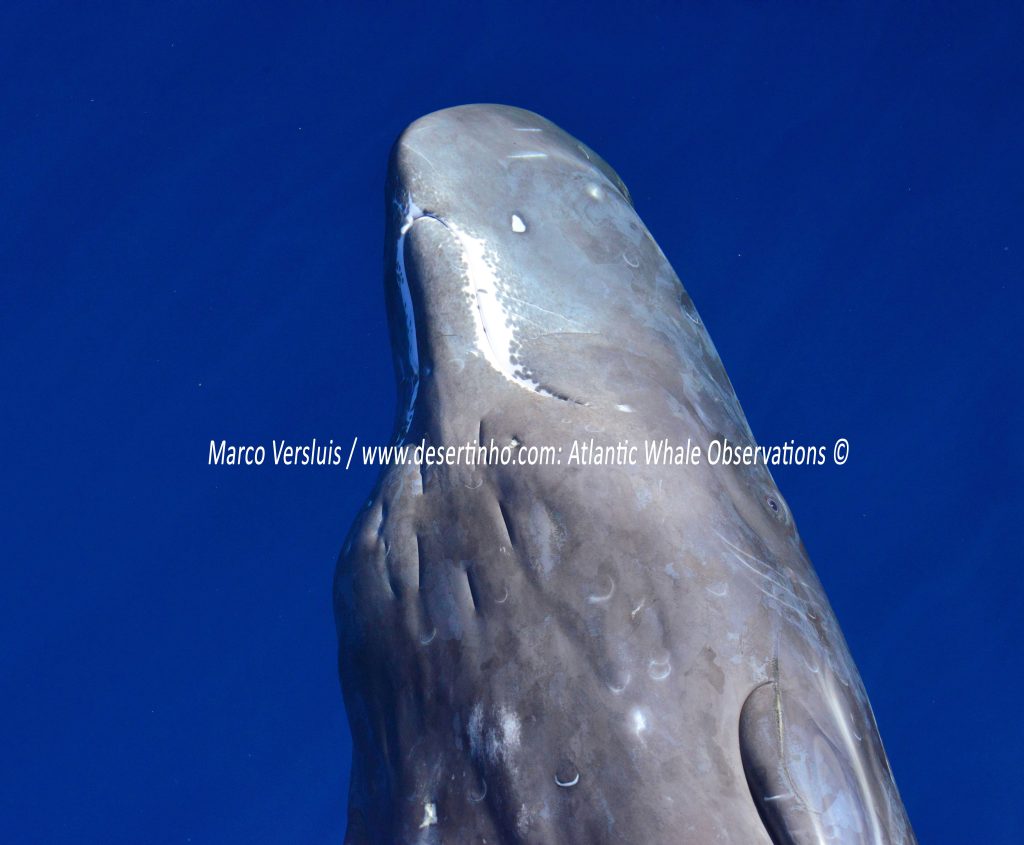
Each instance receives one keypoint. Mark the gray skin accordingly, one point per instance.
(578, 654)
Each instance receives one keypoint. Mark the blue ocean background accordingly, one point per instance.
(191, 248)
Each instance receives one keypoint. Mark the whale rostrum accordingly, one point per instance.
(565, 652)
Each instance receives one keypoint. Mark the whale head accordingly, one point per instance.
(515, 260)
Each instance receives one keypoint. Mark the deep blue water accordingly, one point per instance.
(190, 248)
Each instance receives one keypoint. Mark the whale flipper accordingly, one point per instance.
(806, 774)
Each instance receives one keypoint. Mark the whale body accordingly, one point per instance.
(569, 652)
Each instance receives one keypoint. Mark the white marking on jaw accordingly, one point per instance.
(429, 815)
(528, 155)
(495, 337)
(517, 224)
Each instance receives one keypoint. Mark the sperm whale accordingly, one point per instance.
(565, 652)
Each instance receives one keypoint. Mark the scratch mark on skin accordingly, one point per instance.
(776, 598)
(566, 784)
(427, 640)
(752, 557)
(528, 155)
(412, 149)
(528, 304)
(503, 599)
(784, 588)
(638, 608)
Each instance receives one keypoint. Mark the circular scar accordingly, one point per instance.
(597, 599)
(618, 690)
(659, 673)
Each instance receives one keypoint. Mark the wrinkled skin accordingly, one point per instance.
(578, 654)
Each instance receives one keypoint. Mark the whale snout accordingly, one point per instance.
(457, 148)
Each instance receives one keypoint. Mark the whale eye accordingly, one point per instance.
(778, 510)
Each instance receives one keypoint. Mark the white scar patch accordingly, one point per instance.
(495, 332)
(429, 815)
(489, 302)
